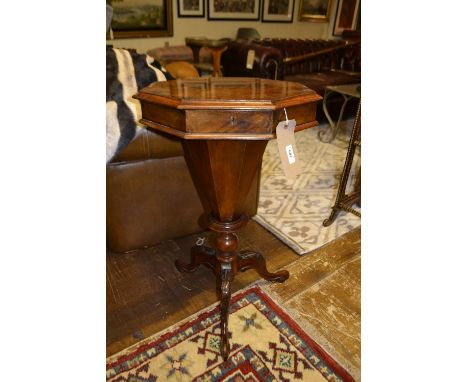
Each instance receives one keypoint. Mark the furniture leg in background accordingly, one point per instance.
(225, 125)
(348, 92)
(343, 201)
(215, 47)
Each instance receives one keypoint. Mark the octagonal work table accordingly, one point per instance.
(225, 124)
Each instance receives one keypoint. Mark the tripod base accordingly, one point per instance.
(225, 265)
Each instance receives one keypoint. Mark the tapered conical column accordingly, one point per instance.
(223, 171)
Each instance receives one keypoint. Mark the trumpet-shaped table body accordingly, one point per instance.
(225, 124)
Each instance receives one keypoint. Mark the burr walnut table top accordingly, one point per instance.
(227, 107)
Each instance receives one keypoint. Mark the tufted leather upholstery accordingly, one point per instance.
(292, 57)
(314, 63)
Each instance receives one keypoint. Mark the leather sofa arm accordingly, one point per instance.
(322, 55)
(149, 145)
(267, 63)
(280, 58)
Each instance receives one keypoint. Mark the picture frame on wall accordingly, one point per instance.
(314, 10)
(347, 16)
(191, 8)
(277, 11)
(233, 9)
(141, 18)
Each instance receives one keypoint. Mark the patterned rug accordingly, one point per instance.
(266, 345)
(293, 210)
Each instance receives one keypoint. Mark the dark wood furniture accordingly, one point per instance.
(345, 202)
(315, 63)
(225, 124)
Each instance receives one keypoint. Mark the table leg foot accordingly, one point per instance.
(249, 260)
(198, 255)
(331, 218)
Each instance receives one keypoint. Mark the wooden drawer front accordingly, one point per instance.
(229, 121)
(163, 115)
(302, 114)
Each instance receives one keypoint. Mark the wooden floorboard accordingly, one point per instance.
(323, 295)
(319, 264)
(333, 310)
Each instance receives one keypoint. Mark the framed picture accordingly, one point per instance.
(347, 16)
(233, 9)
(191, 8)
(278, 11)
(141, 18)
(314, 10)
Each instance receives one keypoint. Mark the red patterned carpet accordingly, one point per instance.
(266, 345)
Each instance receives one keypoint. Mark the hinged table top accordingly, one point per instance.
(227, 93)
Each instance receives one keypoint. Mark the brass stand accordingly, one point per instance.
(345, 202)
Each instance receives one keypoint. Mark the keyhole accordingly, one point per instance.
(233, 120)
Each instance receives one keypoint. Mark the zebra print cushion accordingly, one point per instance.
(126, 74)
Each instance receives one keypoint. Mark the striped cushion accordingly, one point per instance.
(126, 74)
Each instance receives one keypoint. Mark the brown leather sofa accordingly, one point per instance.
(150, 195)
(314, 63)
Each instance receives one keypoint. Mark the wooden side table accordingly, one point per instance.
(225, 125)
(215, 47)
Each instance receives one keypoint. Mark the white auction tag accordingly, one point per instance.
(250, 59)
(290, 154)
(287, 148)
